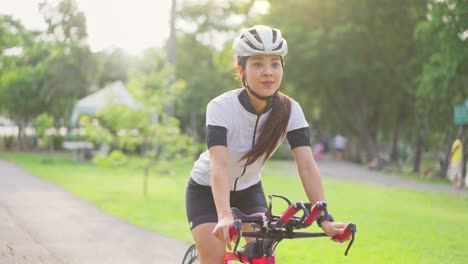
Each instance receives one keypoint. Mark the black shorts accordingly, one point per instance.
(201, 208)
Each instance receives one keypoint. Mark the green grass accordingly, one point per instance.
(394, 225)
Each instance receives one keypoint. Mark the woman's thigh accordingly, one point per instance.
(210, 248)
(199, 204)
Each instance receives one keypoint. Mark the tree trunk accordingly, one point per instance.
(444, 163)
(50, 142)
(369, 138)
(171, 57)
(418, 152)
(21, 134)
(194, 132)
(464, 160)
(395, 155)
(371, 148)
(66, 116)
(355, 146)
(194, 125)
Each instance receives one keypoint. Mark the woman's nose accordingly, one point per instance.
(268, 71)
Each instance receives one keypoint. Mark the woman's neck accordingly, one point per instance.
(258, 105)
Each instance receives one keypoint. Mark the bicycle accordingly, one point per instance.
(271, 231)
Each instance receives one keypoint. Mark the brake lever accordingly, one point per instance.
(350, 229)
(236, 230)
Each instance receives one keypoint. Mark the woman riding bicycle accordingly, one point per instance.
(243, 128)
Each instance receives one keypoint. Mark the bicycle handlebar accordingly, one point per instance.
(280, 227)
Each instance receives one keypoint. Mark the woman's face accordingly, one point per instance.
(263, 74)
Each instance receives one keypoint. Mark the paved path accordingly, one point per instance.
(348, 171)
(42, 223)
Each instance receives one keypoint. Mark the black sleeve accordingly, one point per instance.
(298, 137)
(216, 135)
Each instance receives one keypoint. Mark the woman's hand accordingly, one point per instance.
(334, 228)
(221, 230)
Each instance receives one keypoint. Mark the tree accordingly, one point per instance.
(19, 84)
(204, 56)
(42, 123)
(113, 66)
(70, 69)
(20, 74)
(356, 55)
(65, 23)
(443, 80)
(68, 74)
(134, 130)
(53, 68)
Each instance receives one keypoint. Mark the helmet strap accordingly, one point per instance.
(267, 99)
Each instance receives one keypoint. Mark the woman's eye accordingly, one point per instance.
(258, 64)
(276, 65)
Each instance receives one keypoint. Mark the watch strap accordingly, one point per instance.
(325, 217)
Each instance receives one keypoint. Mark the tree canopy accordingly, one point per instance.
(383, 73)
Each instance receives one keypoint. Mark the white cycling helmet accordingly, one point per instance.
(259, 40)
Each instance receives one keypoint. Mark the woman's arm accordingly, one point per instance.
(220, 189)
(312, 182)
(309, 173)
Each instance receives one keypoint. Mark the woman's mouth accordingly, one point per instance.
(267, 83)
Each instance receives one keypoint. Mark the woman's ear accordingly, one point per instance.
(239, 70)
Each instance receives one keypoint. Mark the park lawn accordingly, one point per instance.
(393, 225)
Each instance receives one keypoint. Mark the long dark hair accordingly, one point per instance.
(274, 127)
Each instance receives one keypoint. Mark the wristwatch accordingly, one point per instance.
(325, 217)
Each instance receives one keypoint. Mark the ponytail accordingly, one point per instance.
(272, 130)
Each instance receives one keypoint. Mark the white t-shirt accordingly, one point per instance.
(227, 111)
(340, 142)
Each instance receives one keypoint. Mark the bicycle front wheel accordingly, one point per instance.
(191, 256)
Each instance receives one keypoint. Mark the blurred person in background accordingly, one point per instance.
(455, 168)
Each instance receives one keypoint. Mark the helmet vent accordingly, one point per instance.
(279, 47)
(259, 40)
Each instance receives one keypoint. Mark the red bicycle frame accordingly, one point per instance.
(229, 256)
(269, 232)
